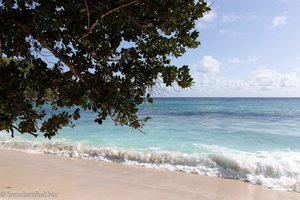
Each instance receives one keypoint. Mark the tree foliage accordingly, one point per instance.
(109, 53)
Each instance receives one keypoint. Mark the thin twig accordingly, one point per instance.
(139, 129)
(212, 3)
(0, 51)
(142, 27)
(209, 6)
(104, 15)
(88, 14)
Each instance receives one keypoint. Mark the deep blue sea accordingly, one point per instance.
(250, 139)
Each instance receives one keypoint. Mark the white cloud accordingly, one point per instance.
(227, 32)
(279, 21)
(238, 61)
(258, 81)
(207, 20)
(266, 79)
(208, 65)
(218, 83)
(210, 17)
(290, 80)
(261, 82)
(290, 1)
(235, 61)
(252, 59)
(253, 17)
(233, 17)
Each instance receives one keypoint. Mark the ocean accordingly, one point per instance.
(250, 139)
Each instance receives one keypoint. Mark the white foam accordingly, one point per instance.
(278, 169)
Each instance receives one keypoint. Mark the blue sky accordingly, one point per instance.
(248, 48)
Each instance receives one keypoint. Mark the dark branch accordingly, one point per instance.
(0, 50)
(35, 135)
(143, 28)
(104, 15)
(88, 14)
(67, 63)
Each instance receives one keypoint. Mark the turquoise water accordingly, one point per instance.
(250, 139)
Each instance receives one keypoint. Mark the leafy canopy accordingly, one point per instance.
(108, 55)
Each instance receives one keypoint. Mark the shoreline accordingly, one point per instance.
(23, 173)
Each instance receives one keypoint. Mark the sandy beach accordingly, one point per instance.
(40, 176)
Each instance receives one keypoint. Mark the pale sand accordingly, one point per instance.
(92, 180)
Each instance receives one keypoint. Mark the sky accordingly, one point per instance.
(248, 49)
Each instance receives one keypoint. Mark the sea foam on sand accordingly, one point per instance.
(77, 179)
(278, 170)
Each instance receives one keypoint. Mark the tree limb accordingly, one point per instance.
(44, 43)
(104, 15)
(69, 64)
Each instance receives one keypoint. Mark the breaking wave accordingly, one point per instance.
(278, 169)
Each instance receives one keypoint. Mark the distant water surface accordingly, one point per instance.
(250, 139)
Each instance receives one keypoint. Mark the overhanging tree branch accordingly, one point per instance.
(44, 43)
(69, 64)
(104, 15)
